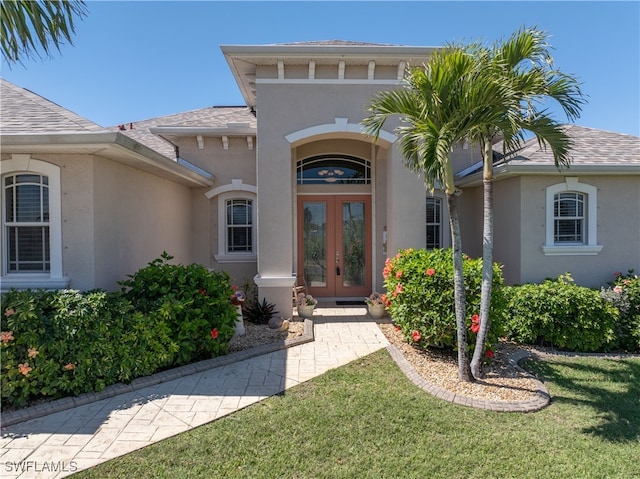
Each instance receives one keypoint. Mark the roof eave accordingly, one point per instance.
(112, 145)
(509, 170)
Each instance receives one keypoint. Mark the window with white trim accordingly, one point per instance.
(571, 219)
(434, 222)
(26, 223)
(237, 232)
(31, 224)
(239, 225)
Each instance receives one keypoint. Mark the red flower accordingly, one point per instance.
(475, 319)
(214, 333)
(475, 327)
(399, 274)
(398, 290)
(397, 328)
(489, 354)
(416, 336)
(431, 272)
(203, 292)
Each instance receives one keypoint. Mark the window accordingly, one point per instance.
(333, 169)
(237, 230)
(571, 219)
(434, 223)
(568, 218)
(26, 225)
(239, 226)
(31, 224)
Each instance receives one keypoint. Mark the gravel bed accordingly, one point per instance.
(259, 334)
(502, 381)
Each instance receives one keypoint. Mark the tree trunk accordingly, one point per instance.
(487, 262)
(464, 369)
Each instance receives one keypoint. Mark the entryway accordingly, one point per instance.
(334, 245)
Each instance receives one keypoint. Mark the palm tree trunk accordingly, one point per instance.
(464, 369)
(487, 261)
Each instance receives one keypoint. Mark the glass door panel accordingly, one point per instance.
(315, 243)
(353, 243)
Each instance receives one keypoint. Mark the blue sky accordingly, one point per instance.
(137, 60)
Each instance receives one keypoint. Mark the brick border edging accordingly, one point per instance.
(541, 399)
(58, 405)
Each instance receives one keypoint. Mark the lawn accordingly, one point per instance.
(366, 420)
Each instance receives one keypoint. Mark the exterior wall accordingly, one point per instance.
(77, 216)
(508, 232)
(618, 231)
(470, 216)
(285, 109)
(137, 216)
(238, 162)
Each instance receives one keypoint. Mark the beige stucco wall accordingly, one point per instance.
(238, 162)
(618, 231)
(284, 110)
(137, 216)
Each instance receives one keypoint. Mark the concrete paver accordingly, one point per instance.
(61, 443)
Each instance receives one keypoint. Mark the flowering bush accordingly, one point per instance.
(561, 314)
(624, 294)
(61, 343)
(421, 296)
(376, 298)
(305, 300)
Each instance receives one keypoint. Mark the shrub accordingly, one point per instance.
(66, 343)
(624, 294)
(191, 301)
(560, 314)
(61, 343)
(420, 295)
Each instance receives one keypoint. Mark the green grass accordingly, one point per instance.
(366, 420)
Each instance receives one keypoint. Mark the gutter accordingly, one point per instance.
(113, 145)
(510, 170)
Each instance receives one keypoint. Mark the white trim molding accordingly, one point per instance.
(54, 279)
(236, 190)
(590, 246)
(341, 125)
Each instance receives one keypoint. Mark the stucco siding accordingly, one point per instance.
(507, 232)
(618, 230)
(137, 217)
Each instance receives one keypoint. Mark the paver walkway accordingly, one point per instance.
(59, 444)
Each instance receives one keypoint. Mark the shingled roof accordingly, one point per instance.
(591, 147)
(210, 117)
(25, 112)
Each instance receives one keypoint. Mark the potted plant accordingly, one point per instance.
(376, 304)
(305, 304)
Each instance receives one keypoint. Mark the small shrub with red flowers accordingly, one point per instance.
(420, 297)
(64, 343)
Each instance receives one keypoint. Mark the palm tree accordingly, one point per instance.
(439, 104)
(28, 26)
(523, 68)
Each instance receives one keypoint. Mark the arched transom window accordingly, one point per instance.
(333, 169)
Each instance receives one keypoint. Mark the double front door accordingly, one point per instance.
(334, 244)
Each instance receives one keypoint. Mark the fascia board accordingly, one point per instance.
(112, 145)
(201, 131)
(508, 171)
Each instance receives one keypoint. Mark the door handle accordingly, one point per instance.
(337, 263)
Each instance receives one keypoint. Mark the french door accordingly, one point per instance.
(334, 244)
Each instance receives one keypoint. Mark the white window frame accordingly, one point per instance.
(590, 244)
(235, 191)
(438, 201)
(54, 278)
